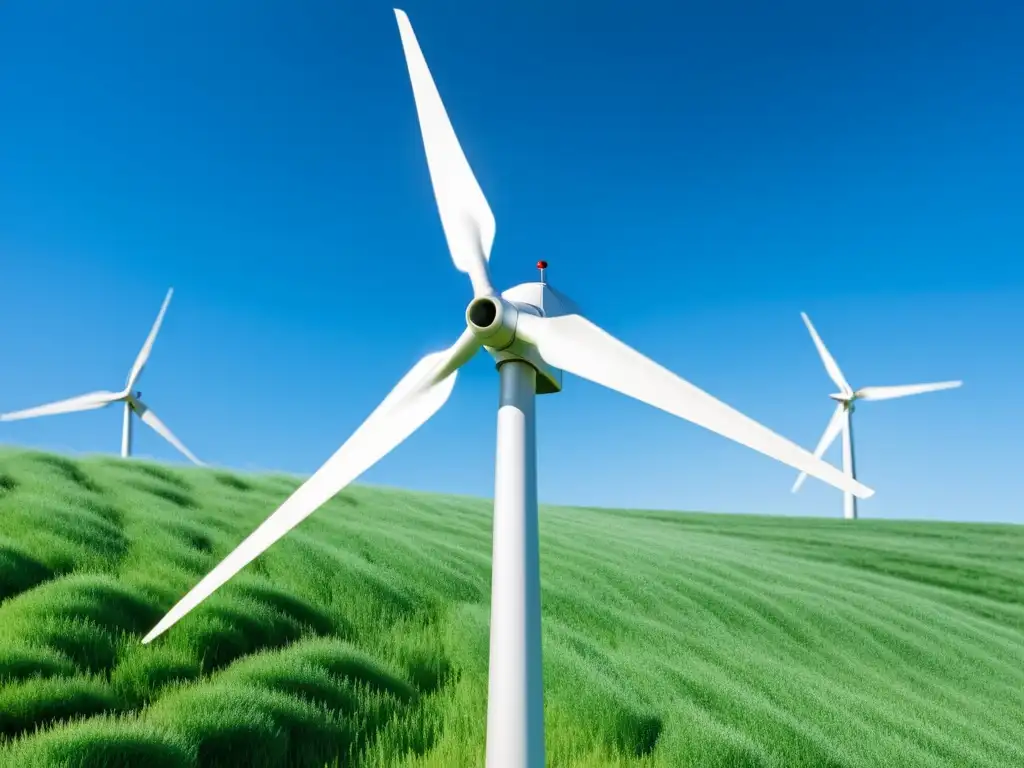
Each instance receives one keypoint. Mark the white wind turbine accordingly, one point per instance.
(132, 400)
(534, 333)
(842, 416)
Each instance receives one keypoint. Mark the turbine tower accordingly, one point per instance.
(534, 333)
(132, 400)
(842, 416)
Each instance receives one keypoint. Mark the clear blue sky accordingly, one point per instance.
(696, 174)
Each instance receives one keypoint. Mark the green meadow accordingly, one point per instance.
(670, 639)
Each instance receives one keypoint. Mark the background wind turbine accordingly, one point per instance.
(132, 400)
(842, 416)
(534, 333)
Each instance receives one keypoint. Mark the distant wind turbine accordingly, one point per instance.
(132, 400)
(842, 417)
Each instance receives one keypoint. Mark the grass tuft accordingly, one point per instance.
(239, 724)
(39, 701)
(104, 742)
(143, 672)
(7, 483)
(20, 662)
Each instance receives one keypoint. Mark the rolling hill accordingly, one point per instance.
(670, 639)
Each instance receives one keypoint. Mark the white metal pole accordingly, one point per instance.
(515, 695)
(126, 432)
(849, 500)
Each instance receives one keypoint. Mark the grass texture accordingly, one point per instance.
(362, 637)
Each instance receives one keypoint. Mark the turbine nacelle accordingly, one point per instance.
(494, 321)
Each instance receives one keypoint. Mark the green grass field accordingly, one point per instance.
(361, 638)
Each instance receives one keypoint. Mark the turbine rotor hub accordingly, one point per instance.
(493, 320)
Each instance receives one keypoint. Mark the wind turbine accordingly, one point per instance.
(132, 400)
(534, 333)
(842, 416)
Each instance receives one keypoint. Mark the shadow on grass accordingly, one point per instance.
(19, 572)
(232, 482)
(429, 671)
(66, 468)
(192, 535)
(102, 509)
(179, 498)
(155, 471)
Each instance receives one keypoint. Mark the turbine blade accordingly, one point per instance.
(903, 390)
(150, 418)
(835, 426)
(87, 402)
(574, 344)
(830, 364)
(417, 397)
(465, 215)
(147, 347)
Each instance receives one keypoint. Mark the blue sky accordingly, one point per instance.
(696, 175)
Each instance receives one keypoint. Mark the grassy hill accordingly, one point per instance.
(361, 638)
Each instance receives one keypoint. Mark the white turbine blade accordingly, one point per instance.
(903, 390)
(830, 364)
(87, 402)
(574, 344)
(417, 397)
(150, 418)
(835, 426)
(465, 215)
(140, 361)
